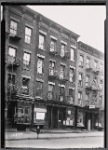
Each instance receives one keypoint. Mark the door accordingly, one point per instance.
(54, 118)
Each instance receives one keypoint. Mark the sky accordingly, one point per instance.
(86, 21)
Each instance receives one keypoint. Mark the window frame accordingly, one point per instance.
(13, 30)
(41, 45)
(72, 54)
(41, 95)
(81, 61)
(27, 86)
(25, 64)
(42, 66)
(80, 82)
(71, 75)
(27, 36)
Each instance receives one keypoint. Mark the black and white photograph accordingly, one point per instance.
(54, 81)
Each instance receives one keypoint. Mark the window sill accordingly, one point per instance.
(24, 94)
(72, 60)
(41, 74)
(81, 66)
(43, 49)
(38, 97)
(28, 44)
(24, 68)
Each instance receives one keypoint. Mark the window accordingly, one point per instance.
(63, 47)
(100, 101)
(72, 54)
(11, 82)
(87, 80)
(50, 91)
(41, 41)
(87, 97)
(71, 74)
(101, 67)
(13, 28)
(11, 79)
(71, 100)
(39, 88)
(101, 84)
(12, 51)
(40, 66)
(88, 62)
(62, 70)
(81, 60)
(95, 81)
(62, 93)
(25, 86)
(95, 64)
(79, 98)
(26, 59)
(94, 97)
(28, 35)
(80, 83)
(11, 54)
(53, 45)
(51, 68)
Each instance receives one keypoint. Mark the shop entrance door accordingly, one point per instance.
(54, 117)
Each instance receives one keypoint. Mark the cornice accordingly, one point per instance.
(90, 50)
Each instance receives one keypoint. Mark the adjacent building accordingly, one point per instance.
(47, 73)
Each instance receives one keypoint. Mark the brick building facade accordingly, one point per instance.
(42, 69)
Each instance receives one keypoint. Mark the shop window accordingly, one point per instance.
(25, 86)
(62, 71)
(72, 54)
(81, 60)
(28, 32)
(87, 81)
(81, 119)
(41, 41)
(50, 91)
(71, 99)
(80, 98)
(63, 48)
(71, 75)
(39, 89)
(80, 79)
(88, 62)
(40, 68)
(13, 27)
(53, 45)
(51, 68)
(26, 60)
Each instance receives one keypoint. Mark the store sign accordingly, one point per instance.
(40, 110)
(91, 106)
(40, 116)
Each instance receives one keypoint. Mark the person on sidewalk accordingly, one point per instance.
(38, 131)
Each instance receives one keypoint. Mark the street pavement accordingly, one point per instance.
(57, 134)
(64, 143)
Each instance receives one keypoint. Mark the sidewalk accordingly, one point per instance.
(55, 134)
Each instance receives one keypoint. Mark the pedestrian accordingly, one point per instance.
(38, 131)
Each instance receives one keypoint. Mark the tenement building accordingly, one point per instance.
(90, 86)
(50, 78)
